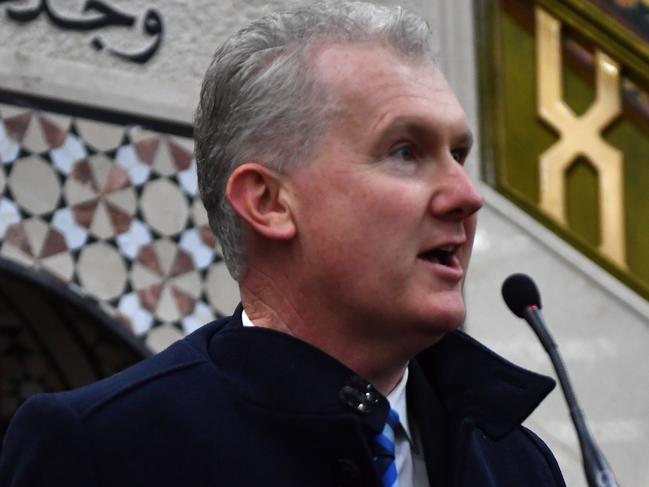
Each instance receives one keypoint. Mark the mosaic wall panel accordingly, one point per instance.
(112, 209)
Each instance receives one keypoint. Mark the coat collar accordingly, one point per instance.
(277, 371)
(281, 373)
(475, 383)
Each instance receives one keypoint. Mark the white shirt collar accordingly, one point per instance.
(397, 400)
(245, 320)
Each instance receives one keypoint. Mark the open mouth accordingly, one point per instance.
(442, 255)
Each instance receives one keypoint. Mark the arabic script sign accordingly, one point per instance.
(95, 15)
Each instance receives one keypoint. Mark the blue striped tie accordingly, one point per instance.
(384, 451)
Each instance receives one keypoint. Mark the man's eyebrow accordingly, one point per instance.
(465, 138)
(417, 125)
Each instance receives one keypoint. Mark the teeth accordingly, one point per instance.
(448, 248)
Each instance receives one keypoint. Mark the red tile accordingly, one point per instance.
(117, 179)
(54, 135)
(82, 172)
(150, 297)
(182, 157)
(184, 302)
(85, 212)
(16, 126)
(149, 259)
(182, 264)
(54, 244)
(119, 218)
(146, 149)
(17, 236)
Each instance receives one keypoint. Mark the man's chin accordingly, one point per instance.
(442, 321)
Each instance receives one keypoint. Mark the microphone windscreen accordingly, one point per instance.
(519, 293)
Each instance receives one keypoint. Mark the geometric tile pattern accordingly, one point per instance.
(112, 209)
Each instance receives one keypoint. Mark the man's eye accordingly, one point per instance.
(406, 153)
(459, 154)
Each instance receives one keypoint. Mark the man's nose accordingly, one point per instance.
(457, 196)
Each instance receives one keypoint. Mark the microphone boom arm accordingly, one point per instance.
(598, 472)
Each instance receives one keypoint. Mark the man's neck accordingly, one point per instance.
(374, 361)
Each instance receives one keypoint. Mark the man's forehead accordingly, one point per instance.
(354, 70)
(372, 80)
(331, 57)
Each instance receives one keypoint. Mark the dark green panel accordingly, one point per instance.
(578, 86)
(582, 201)
(525, 137)
(633, 141)
(514, 137)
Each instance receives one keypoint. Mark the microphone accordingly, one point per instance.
(523, 299)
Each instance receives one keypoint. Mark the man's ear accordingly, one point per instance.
(259, 196)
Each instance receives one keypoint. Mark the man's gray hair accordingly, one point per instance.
(261, 102)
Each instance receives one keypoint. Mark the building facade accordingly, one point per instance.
(99, 184)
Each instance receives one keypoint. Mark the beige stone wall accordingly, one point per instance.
(40, 56)
(601, 328)
(193, 28)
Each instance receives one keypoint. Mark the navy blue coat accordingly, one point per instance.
(235, 406)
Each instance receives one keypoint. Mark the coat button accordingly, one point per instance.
(359, 395)
(347, 473)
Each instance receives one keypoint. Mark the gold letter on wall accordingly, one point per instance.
(580, 136)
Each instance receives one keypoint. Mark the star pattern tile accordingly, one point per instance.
(34, 243)
(166, 155)
(36, 131)
(166, 280)
(112, 210)
(101, 196)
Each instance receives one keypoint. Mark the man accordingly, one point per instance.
(330, 152)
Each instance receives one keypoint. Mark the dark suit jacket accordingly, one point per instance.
(235, 406)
